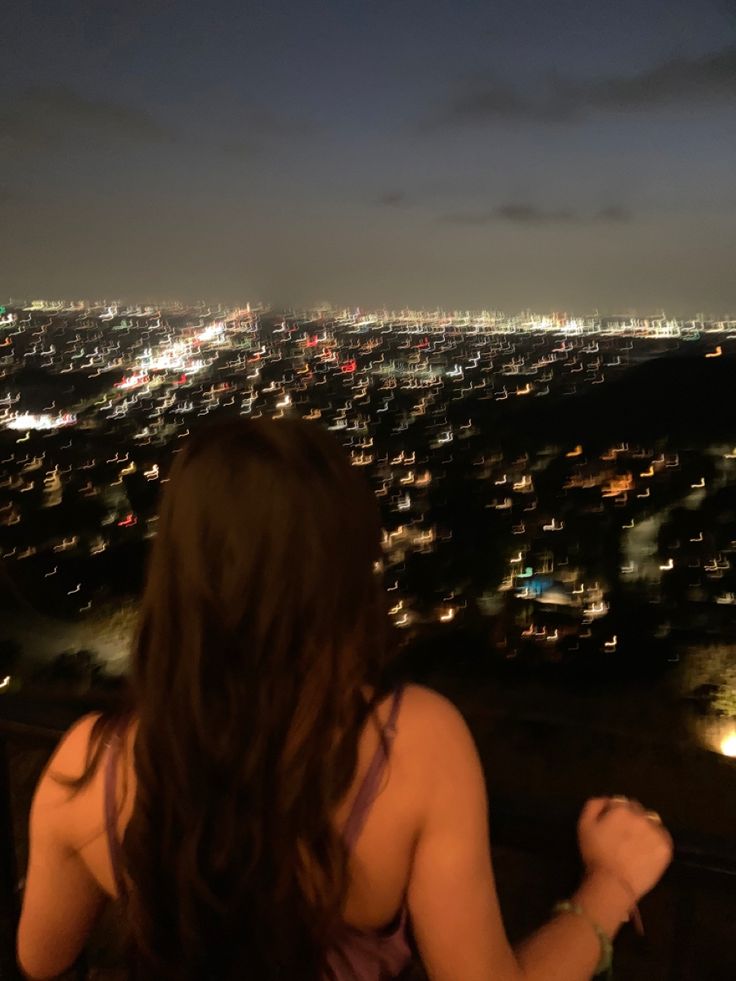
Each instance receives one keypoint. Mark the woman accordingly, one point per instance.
(241, 807)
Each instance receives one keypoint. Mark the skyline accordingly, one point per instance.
(525, 318)
(385, 155)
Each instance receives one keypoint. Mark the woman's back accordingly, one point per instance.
(380, 859)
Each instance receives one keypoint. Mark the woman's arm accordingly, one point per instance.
(61, 899)
(452, 896)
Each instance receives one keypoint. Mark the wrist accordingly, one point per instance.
(602, 875)
(606, 899)
(605, 962)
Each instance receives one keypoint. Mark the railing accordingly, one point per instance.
(689, 917)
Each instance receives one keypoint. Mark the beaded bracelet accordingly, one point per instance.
(606, 961)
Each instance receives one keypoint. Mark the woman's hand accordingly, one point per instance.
(618, 837)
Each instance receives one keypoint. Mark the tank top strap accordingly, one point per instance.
(113, 843)
(369, 786)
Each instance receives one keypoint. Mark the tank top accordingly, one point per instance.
(355, 955)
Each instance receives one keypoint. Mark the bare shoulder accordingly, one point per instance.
(67, 762)
(54, 803)
(430, 712)
(70, 756)
(434, 728)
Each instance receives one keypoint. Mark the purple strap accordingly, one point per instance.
(364, 799)
(116, 852)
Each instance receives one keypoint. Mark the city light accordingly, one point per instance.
(728, 744)
(412, 396)
(32, 420)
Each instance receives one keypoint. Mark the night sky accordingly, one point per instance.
(502, 154)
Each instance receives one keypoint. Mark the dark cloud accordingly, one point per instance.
(46, 114)
(517, 213)
(392, 199)
(614, 213)
(493, 100)
(706, 80)
(530, 214)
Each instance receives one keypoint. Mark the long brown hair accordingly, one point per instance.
(263, 617)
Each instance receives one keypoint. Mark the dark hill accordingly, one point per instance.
(680, 397)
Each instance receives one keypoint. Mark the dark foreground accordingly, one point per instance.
(538, 771)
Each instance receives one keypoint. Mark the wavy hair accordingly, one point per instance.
(262, 618)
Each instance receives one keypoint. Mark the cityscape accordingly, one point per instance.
(559, 489)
